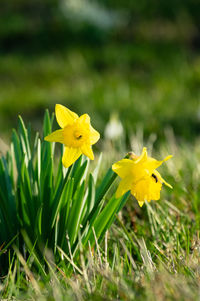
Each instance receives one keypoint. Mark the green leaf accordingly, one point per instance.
(76, 212)
(47, 124)
(62, 200)
(80, 173)
(104, 217)
(23, 135)
(17, 150)
(66, 199)
(105, 185)
(7, 200)
(89, 204)
(100, 193)
(97, 168)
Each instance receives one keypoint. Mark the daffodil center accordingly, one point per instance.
(75, 135)
(78, 135)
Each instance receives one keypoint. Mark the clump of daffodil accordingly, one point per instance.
(139, 175)
(76, 134)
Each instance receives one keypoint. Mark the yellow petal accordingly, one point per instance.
(167, 158)
(143, 157)
(123, 187)
(123, 167)
(70, 156)
(94, 135)
(167, 184)
(152, 163)
(85, 118)
(87, 151)
(140, 203)
(149, 162)
(64, 116)
(56, 136)
(161, 179)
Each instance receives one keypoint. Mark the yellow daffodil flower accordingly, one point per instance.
(76, 134)
(139, 175)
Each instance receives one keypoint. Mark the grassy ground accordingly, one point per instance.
(150, 253)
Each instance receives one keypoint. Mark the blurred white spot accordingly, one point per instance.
(114, 129)
(90, 11)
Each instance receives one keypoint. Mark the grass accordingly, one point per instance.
(150, 253)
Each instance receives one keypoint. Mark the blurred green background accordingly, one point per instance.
(140, 59)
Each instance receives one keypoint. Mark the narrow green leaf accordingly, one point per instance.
(23, 135)
(75, 214)
(89, 204)
(66, 199)
(47, 124)
(103, 219)
(62, 201)
(113, 217)
(105, 184)
(80, 173)
(17, 150)
(96, 170)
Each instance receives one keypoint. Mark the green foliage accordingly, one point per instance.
(150, 253)
(46, 207)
